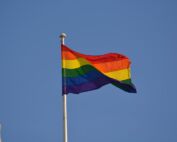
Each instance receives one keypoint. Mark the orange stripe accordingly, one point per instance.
(104, 63)
(68, 55)
(112, 66)
(102, 66)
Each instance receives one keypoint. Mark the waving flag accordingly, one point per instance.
(82, 72)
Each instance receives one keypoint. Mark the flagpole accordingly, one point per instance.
(65, 122)
(0, 132)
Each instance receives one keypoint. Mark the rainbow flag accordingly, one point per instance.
(82, 72)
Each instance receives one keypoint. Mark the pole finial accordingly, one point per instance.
(62, 37)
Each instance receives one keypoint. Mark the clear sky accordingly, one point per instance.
(30, 72)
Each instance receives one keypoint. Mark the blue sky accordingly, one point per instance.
(30, 73)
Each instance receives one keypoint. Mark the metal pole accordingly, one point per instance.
(65, 123)
(0, 132)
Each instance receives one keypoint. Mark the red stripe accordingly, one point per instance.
(69, 54)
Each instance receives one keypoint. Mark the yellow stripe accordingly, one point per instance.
(119, 75)
(72, 64)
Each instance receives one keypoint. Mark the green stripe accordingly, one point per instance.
(128, 81)
(78, 71)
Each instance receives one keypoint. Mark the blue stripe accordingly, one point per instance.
(91, 81)
(88, 77)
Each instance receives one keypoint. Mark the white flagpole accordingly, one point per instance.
(65, 123)
(0, 132)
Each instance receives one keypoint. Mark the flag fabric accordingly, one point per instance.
(82, 72)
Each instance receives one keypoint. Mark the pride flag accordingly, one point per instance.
(82, 72)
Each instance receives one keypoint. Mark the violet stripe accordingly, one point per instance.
(97, 84)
